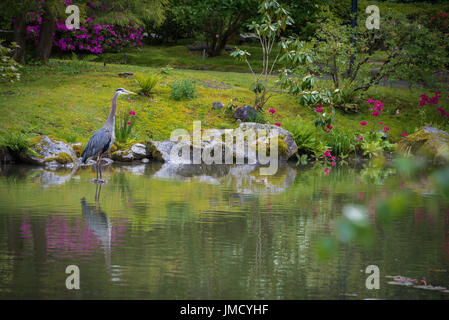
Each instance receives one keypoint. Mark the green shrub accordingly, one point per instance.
(147, 83)
(14, 141)
(341, 143)
(184, 89)
(306, 137)
(9, 68)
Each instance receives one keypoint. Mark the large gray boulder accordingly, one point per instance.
(50, 152)
(429, 143)
(163, 150)
(137, 151)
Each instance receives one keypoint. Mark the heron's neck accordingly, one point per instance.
(111, 118)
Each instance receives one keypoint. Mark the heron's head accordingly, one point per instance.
(123, 91)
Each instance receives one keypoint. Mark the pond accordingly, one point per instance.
(159, 231)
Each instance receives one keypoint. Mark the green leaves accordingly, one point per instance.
(9, 68)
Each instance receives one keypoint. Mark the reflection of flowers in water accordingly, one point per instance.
(25, 229)
(68, 237)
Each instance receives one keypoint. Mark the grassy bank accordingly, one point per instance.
(71, 100)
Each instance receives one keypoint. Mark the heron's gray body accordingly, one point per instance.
(99, 143)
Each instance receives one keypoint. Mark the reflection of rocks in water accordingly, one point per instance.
(47, 177)
(98, 222)
(245, 178)
(192, 172)
(136, 169)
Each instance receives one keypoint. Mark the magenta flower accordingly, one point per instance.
(381, 123)
(121, 126)
(375, 113)
(327, 153)
(326, 171)
(319, 110)
(360, 138)
(405, 134)
(277, 124)
(333, 163)
(329, 127)
(334, 158)
(133, 113)
(128, 123)
(386, 129)
(272, 111)
(363, 123)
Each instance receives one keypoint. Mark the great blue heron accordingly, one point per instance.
(103, 139)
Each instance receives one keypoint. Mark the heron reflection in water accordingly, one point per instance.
(98, 222)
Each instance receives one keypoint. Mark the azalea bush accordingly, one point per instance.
(91, 37)
(124, 126)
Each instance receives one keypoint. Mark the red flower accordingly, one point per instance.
(326, 171)
(405, 134)
(277, 124)
(386, 129)
(133, 113)
(334, 158)
(333, 163)
(360, 138)
(272, 111)
(375, 113)
(128, 123)
(363, 123)
(327, 153)
(381, 123)
(319, 110)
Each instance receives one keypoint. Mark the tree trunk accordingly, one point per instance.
(20, 38)
(45, 43)
(217, 46)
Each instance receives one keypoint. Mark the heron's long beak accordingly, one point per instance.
(133, 93)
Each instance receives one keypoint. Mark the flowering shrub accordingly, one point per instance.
(324, 121)
(91, 37)
(428, 117)
(123, 127)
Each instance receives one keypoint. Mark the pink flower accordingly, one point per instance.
(121, 126)
(277, 124)
(360, 138)
(327, 153)
(326, 171)
(405, 134)
(334, 158)
(128, 123)
(375, 113)
(319, 110)
(333, 163)
(381, 123)
(386, 129)
(370, 101)
(329, 127)
(133, 113)
(363, 123)
(272, 111)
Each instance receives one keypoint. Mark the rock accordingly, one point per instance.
(78, 148)
(161, 150)
(125, 74)
(5, 156)
(245, 113)
(50, 152)
(217, 105)
(145, 160)
(139, 151)
(122, 156)
(429, 143)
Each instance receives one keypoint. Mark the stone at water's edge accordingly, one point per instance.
(428, 142)
(5, 156)
(160, 150)
(50, 152)
(137, 151)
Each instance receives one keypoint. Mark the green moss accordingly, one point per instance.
(62, 158)
(78, 149)
(34, 141)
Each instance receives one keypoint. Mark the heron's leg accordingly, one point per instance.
(99, 166)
